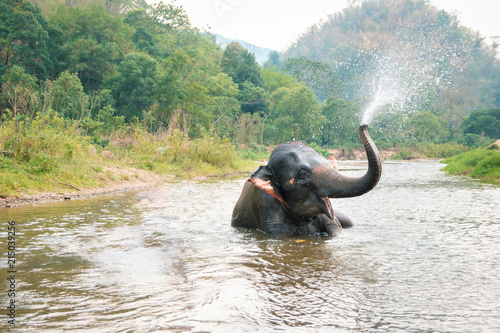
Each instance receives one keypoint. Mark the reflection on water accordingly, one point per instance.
(424, 255)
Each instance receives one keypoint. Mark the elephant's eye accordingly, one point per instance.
(303, 176)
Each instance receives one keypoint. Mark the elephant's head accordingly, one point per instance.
(303, 180)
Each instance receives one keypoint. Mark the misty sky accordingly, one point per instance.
(275, 24)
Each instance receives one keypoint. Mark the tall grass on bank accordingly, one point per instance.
(175, 153)
(41, 153)
(50, 153)
(481, 164)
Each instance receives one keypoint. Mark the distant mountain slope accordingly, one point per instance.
(432, 61)
(261, 53)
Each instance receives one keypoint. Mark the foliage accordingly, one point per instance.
(113, 7)
(274, 61)
(93, 42)
(24, 38)
(145, 30)
(176, 153)
(180, 94)
(19, 89)
(47, 137)
(473, 140)
(425, 126)
(168, 17)
(67, 96)
(101, 127)
(341, 122)
(242, 67)
(132, 84)
(224, 104)
(249, 129)
(41, 153)
(483, 122)
(277, 79)
(316, 74)
(296, 114)
(480, 163)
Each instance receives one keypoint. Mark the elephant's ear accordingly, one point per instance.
(262, 180)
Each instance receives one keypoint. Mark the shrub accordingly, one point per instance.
(42, 141)
(479, 163)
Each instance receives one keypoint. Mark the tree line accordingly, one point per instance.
(110, 64)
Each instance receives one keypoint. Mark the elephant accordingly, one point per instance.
(290, 196)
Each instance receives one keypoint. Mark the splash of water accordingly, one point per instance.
(386, 87)
(388, 91)
(401, 82)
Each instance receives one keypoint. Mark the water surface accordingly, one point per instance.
(424, 256)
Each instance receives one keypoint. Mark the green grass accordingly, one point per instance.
(177, 154)
(481, 164)
(40, 154)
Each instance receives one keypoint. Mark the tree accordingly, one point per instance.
(316, 74)
(145, 30)
(23, 38)
(424, 126)
(483, 122)
(19, 89)
(224, 104)
(341, 122)
(253, 99)
(68, 97)
(181, 94)
(94, 42)
(113, 7)
(296, 114)
(170, 17)
(277, 79)
(274, 61)
(132, 84)
(241, 65)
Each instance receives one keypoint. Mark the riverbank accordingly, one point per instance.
(128, 179)
(48, 158)
(116, 176)
(482, 164)
(120, 180)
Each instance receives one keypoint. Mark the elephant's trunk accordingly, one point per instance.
(345, 187)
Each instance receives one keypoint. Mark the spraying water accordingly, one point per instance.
(387, 87)
(395, 83)
(387, 91)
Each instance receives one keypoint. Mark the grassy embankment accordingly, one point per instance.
(482, 163)
(50, 154)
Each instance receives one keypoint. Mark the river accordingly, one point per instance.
(423, 256)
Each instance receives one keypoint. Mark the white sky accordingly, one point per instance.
(276, 24)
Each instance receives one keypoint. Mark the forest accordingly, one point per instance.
(100, 73)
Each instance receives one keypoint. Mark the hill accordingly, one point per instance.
(408, 54)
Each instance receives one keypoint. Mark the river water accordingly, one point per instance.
(424, 256)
